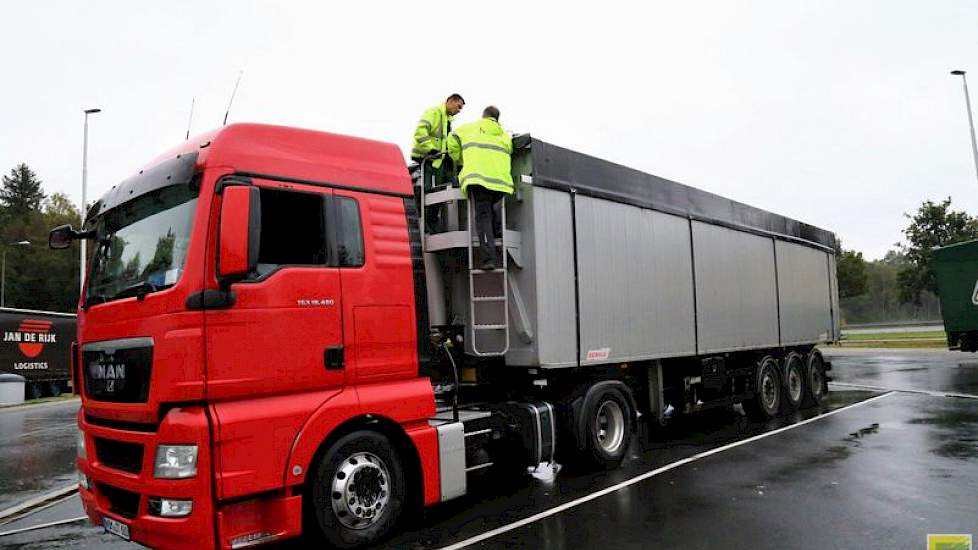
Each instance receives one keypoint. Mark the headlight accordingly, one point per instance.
(175, 461)
(80, 444)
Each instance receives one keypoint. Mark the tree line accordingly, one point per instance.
(36, 276)
(902, 286)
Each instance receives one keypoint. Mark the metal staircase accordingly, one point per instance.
(488, 292)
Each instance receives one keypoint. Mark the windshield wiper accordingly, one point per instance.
(139, 290)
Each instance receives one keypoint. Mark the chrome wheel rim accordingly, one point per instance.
(769, 390)
(360, 491)
(609, 426)
(794, 384)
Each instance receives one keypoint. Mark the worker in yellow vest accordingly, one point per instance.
(430, 139)
(483, 149)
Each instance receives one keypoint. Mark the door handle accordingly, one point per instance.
(333, 358)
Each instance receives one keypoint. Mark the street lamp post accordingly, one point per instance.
(3, 271)
(84, 201)
(971, 122)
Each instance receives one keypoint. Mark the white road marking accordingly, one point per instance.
(38, 500)
(907, 390)
(42, 526)
(597, 494)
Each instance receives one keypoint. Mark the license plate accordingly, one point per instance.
(116, 527)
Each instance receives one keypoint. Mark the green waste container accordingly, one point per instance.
(956, 267)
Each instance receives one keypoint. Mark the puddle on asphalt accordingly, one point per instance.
(963, 449)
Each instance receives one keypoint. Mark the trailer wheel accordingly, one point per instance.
(766, 402)
(795, 383)
(359, 490)
(34, 390)
(607, 427)
(816, 377)
(54, 389)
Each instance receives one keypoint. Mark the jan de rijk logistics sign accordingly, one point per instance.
(36, 345)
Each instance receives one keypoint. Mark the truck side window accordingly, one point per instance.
(349, 232)
(293, 230)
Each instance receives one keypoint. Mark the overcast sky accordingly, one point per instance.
(840, 114)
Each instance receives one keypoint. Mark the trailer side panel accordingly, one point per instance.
(736, 290)
(636, 287)
(803, 294)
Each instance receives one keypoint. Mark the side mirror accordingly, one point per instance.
(61, 237)
(240, 232)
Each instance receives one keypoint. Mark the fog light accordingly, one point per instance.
(175, 461)
(83, 480)
(170, 508)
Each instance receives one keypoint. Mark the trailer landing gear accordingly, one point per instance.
(358, 492)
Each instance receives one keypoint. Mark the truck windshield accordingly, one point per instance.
(141, 245)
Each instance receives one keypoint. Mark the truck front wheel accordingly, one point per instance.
(358, 491)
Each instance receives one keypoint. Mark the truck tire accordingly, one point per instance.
(795, 382)
(54, 389)
(606, 427)
(766, 402)
(34, 390)
(358, 492)
(815, 375)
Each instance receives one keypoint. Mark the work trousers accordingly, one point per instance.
(444, 174)
(483, 203)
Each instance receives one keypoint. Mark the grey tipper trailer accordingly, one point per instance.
(609, 264)
(690, 299)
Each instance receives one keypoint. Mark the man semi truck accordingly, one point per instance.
(270, 345)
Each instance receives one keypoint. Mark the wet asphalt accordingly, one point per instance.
(879, 475)
(37, 450)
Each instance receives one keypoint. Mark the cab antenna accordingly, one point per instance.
(233, 92)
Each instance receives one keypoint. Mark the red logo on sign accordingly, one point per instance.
(34, 347)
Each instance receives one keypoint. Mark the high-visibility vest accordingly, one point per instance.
(483, 149)
(430, 134)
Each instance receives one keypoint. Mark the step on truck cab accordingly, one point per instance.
(271, 343)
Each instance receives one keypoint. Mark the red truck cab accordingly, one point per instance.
(252, 310)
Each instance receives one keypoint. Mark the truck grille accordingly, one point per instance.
(122, 502)
(120, 455)
(118, 371)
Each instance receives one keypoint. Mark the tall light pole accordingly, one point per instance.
(3, 271)
(84, 202)
(971, 121)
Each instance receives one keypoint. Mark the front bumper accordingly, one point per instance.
(122, 491)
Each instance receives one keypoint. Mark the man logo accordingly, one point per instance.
(948, 542)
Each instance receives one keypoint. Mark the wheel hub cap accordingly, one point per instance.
(769, 390)
(610, 426)
(360, 490)
(794, 384)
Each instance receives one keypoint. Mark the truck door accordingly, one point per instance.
(283, 332)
